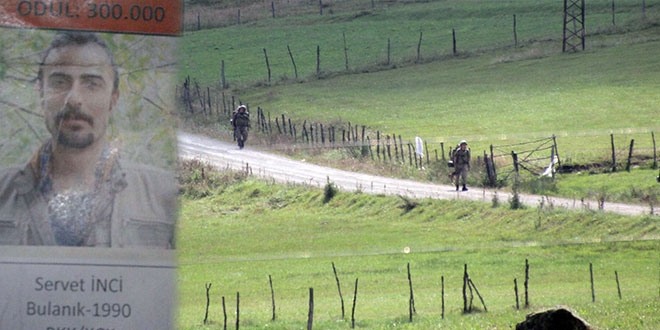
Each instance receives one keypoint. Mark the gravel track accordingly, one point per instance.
(285, 170)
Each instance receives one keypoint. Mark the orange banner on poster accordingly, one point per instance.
(129, 16)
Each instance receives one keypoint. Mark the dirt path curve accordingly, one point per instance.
(281, 169)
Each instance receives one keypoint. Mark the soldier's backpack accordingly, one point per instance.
(242, 119)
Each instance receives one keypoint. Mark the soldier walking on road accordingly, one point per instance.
(461, 159)
(240, 122)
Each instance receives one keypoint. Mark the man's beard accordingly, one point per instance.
(71, 138)
(75, 140)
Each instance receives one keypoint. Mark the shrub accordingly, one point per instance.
(329, 192)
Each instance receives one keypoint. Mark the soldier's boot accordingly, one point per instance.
(464, 188)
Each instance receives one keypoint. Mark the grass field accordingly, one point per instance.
(248, 230)
(490, 92)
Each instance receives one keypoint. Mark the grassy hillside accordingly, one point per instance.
(480, 26)
(236, 233)
(246, 230)
(489, 93)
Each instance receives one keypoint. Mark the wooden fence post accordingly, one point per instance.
(293, 62)
(396, 148)
(345, 50)
(310, 314)
(224, 104)
(334, 138)
(267, 64)
(322, 134)
(311, 133)
(515, 290)
(291, 126)
(208, 100)
(515, 162)
(442, 151)
(465, 285)
(224, 313)
(389, 151)
(272, 295)
(630, 152)
(277, 123)
(403, 157)
(222, 74)
(238, 310)
(208, 302)
(318, 60)
(354, 303)
(526, 283)
(554, 143)
(655, 152)
(613, 153)
(341, 298)
(304, 134)
(489, 171)
(442, 285)
(419, 47)
(411, 301)
(493, 162)
(388, 52)
(378, 144)
(618, 285)
(515, 32)
(591, 276)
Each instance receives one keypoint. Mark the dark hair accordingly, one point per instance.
(77, 38)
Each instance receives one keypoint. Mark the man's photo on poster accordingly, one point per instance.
(87, 139)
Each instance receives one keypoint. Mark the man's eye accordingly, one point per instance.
(58, 83)
(93, 83)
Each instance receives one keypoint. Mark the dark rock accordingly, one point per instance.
(554, 319)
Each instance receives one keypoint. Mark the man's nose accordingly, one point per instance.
(75, 96)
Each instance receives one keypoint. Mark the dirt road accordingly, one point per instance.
(227, 155)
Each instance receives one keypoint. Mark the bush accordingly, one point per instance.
(329, 192)
(514, 201)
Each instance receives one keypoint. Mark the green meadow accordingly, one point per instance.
(490, 93)
(247, 232)
(235, 232)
